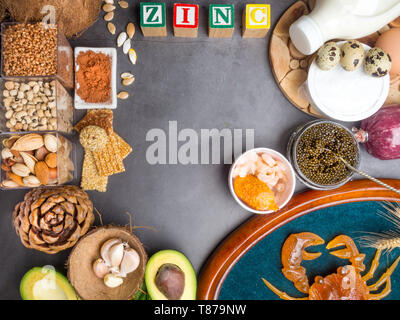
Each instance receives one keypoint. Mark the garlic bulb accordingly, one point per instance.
(100, 268)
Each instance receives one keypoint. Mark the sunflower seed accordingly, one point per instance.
(109, 16)
(130, 30)
(123, 95)
(128, 82)
(111, 27)
(127, 46)
(121, 39)
(108, 7)
(126, 75)
(123, 4)
(132, 55)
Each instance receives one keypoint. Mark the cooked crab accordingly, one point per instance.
(346, 284)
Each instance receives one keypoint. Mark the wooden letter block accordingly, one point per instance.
(221, 21)
(152, 19)
(186, 20)
(256, 20)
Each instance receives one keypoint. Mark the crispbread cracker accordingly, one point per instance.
(90, 177)
(109, 160)
(102, 118)
(124, 148)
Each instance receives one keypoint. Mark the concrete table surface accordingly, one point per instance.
(200, 83)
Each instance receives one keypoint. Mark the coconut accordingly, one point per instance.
(70, 23)
(80, 265)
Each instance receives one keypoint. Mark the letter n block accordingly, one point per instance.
(221, 21)
(152, 19)
(186, 20)
(256, 20)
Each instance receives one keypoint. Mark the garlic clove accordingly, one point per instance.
(112, 280)
(100, 268)
(116, 253)
(130, 262)
(105, 248)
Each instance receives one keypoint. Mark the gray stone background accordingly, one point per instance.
(201, 83)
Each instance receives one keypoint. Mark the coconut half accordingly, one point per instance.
(80, 265)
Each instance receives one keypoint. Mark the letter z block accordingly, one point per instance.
(256, 20)
(186, 20)
(221, 21)
(152, 19)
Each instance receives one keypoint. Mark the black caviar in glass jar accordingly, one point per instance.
(316, 150)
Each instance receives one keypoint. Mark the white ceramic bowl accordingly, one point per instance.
(281, 200)
(346, 95)
(112, 104)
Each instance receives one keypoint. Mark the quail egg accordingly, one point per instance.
(377, 63)
(328, 56)
(352, 55)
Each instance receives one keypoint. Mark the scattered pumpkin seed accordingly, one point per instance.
(123, 95)
(128, 81)
(130, 30)
(127, 46)
(108, 7)
(123, 4)
(111, 27)
(132, 55)
(121, 39)
(126, 75)
(109, 16)
(109, 1)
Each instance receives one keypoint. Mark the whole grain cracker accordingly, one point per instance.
(93, 138)
(90, 177)
(124, 148)
(102, 118)
(109, 160)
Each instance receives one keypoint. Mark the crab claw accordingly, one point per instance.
(294, 252)
(350, 252)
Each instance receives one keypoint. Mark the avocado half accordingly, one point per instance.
(41, 283)
(167, 258)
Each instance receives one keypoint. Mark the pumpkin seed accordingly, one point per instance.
(132, 55)
(108, 7)
(121, 39)
(123, 4)
(128, 82)
(109, 16)
(127, 46)
(126, 75)
(111, 27)
(123, 95)
(109, 1)
(130, 30)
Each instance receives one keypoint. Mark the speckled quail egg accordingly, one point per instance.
(352, 55)
(377, 63)
(328, 56)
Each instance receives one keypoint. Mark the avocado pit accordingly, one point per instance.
(170, 280)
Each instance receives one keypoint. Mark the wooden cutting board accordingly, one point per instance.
(290, 67)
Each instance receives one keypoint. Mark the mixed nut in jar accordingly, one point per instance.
(33, 160)
(315, 151)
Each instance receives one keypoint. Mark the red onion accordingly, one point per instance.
(381, 133)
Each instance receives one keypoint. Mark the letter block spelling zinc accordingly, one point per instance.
(186, 20)
(221, 21)
(152, 19)
(256, 20)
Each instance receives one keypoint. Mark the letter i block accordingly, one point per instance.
(221, 21)
(152, 19)
(256, 20)
(186, 20)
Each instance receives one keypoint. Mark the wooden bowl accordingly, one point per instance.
(80, 265)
